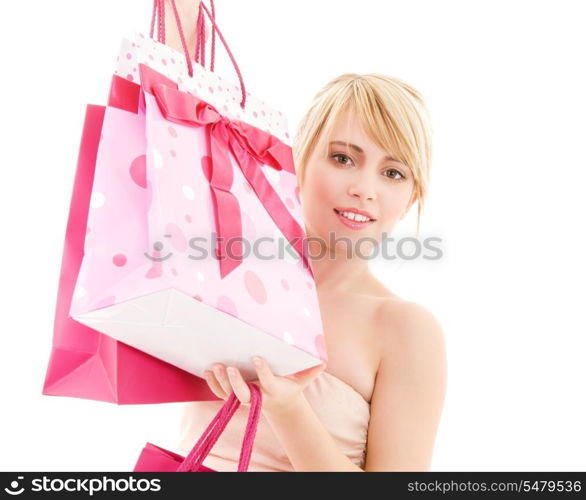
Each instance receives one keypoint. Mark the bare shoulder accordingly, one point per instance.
(408, 323)
(400, 324)
(412, 344)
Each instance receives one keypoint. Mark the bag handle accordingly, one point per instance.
(200, 50)
(210, 436)
(159, 12)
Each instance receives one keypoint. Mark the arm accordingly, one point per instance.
(409, 392)
(188, 10)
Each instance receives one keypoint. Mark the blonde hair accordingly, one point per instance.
(393, 113)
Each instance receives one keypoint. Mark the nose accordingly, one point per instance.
(363, 188)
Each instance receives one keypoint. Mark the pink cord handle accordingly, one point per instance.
(200, 51)
(215, 26)
(159, 11)
(210, 436)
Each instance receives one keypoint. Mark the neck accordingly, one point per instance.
(334, 270)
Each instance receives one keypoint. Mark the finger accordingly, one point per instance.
(310, 373)
(239, 386)
(214, 385)
(220, 373)
(265, 375)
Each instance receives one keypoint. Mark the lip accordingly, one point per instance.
(353, 224)
(356, 211)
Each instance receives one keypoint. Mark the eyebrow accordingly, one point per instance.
(360, 150)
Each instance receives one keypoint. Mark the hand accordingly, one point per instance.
(278, 393)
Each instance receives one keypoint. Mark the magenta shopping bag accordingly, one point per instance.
(156, 459)
(85, 363)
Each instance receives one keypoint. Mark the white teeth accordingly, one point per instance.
(355, 217)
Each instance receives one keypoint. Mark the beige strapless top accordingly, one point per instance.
(342, 410)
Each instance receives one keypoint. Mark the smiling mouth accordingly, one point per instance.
(354, 217)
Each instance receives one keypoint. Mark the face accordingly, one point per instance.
(358, 178)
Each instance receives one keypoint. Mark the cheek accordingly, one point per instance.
(317, 199)
(393, 207)
(310, 202)
(395, 202)
(319, 181)
(317, 188)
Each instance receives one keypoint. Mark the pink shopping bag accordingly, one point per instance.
(156, 459)
(187, 156)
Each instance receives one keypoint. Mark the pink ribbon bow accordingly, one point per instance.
(251, 148)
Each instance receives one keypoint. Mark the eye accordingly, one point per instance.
(343, 156)
(394, 171)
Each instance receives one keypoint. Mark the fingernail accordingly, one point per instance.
(231, 370)
(256, 361)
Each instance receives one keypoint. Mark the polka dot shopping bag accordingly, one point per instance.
(185, 243)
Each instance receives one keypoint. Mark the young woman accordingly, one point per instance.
(363, 147)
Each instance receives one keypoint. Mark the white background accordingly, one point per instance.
(505, 85)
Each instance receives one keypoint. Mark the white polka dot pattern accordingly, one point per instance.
(219, 92)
